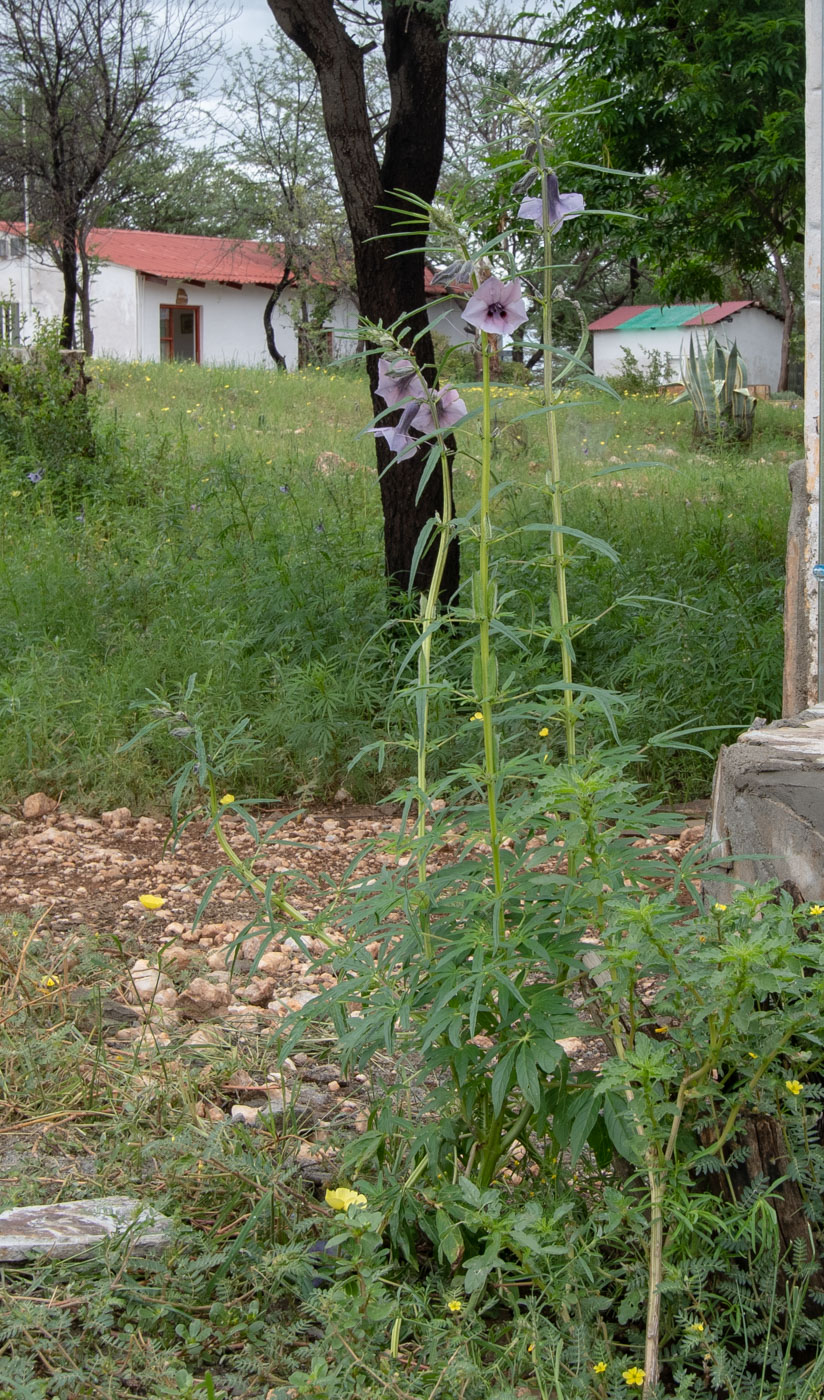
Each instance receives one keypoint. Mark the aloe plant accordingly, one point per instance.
(715, 381)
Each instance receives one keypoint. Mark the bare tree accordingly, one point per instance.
(388, 253)
(85, 84)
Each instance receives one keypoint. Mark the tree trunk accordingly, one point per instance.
(788, 307)
(274, 298)
(68, 266)
(85, 295)
(389, 257)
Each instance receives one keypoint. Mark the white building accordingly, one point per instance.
(162, 296)
(666, 330)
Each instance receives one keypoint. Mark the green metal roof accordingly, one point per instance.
(666, 317)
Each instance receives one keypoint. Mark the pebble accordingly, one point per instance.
(38, 804)
(245, 1113)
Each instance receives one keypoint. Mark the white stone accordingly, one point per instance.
(71, 1229)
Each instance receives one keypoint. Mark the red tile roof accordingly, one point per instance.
(616, 318)
(717, 313)
(709, 317)
(187, 257)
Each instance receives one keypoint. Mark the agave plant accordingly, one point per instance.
(715, 382)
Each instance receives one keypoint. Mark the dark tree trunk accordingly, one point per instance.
(85, 295)
(273, 299)
(68, 266)
(389, 285)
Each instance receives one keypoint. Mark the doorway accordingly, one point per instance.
(180, 333)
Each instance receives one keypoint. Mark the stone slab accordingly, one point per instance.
(767, 820)
(72, 1229)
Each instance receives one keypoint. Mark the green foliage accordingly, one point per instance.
(716, 385)
(208, 536)
(634, 377)
(46, 420)
(676, 82)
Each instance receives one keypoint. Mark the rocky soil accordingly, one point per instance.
(181, 985)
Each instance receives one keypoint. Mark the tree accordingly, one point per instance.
(388, 254)
(175, 189)
(85, 84)
(276, 134)
(706, 98)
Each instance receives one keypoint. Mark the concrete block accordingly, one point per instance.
(767, 818)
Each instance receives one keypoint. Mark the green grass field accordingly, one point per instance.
(229, 525)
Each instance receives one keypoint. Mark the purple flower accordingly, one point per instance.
(398, 379)
(34, 477)
(560, 206)
(401, 445)
(449, 409)
(496, 307)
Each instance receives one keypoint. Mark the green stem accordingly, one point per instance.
(259, 886)
(488, 686)
(554, 474)
(428, 613)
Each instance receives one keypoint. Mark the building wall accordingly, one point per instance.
(758, 337)
(757, 334)
(608, 348)
(36, 285)
(231, 322)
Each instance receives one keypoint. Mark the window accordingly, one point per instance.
(10, 247)
(9, 323)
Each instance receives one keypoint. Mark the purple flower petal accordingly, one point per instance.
(531, 208)
(497, 307)
(560, 206)
(398, 379)
(401, 445)
(449, 410)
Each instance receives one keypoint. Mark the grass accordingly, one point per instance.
(229, 526)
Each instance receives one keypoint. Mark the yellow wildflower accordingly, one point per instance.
(696, 1327)
(49, 983)
(343, 1197)
(455, 1305)
(634, 1376)
(794, 1086)
(151, 901)
(661, 1030)
(542, 733)
(817, 910)
(477, 715)
(227, 798)
(719, 908)
(599, 1368)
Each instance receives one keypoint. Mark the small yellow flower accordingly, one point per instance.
(477, 715)
(817, 910)
(752, 1054)
(49, 983)
(634, 1376)
(719, 909)
(599, 1368)
(227, 798)
(661, 1030)
(542, 733)
(151, 901)
(696, 1327)
(455, 1305)
(343, 1197)
(794, 1086)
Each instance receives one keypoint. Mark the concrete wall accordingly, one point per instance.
(608, 348)
(757, 333)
